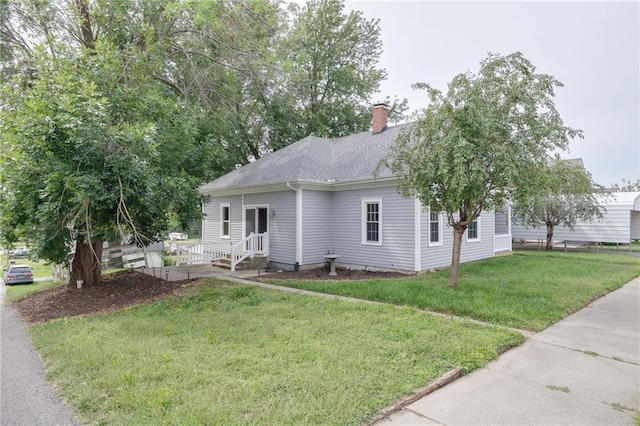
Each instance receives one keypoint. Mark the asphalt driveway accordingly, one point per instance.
(584, 370)
(26, 398)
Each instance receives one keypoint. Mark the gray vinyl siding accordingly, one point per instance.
(615, 227)
(317, 225)
(618, 224)
(434, 256)
(397, 248)
(475, 250)
(502, 221)
(211, 223)
(440, 256)
(281, 223)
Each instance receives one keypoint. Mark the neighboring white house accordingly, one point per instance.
(319, 196)
(620, 224)
(178, 236)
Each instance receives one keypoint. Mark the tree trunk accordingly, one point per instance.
(87, 264)
(549, 245)
(455, 257)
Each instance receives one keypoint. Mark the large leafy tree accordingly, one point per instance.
(323, 72)
(86, 156)
(106, 126)
(477, 145)
(567, 195)
(117, 110)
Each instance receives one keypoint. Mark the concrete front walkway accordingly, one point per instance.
(584, 370)
(204, 270)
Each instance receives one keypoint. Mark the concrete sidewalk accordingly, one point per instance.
(584, 370)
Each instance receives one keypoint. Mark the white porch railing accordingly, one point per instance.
(502, 242)
(251, 245)
(209, 252)
(200, 252)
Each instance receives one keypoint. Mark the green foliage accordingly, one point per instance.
(85, 154)
(331, 67)
(529, 290)
(476, 146)
(318, 79)
(233, 354)
(627, 186)
(566, 195)
(118, 110)
(17, 292)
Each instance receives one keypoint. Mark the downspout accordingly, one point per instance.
(417, 238)
(298, 192)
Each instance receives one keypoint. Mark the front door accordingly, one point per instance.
(255, 220)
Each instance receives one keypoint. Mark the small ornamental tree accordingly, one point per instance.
(567, 195)
(477, 145)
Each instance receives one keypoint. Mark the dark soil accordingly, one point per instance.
(119, 290)
(323, 274)
(115, 292)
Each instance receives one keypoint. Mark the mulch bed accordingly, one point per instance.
(116, 291)
(323, 274)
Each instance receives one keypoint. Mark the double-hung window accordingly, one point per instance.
(473, 231)
(435, 228)
(372, 221)
(225, 220)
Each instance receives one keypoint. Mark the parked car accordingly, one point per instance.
(18, 274)
(21, 252)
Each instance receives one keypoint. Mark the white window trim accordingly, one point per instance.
(363, 220)
(474, 240)
(254, 206)
(222, 206)
(440, 226)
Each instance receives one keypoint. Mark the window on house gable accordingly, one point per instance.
(473, 231)
(371, 222)
(435, 228)
(225, 220)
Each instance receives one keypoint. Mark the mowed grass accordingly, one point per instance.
(40, 269)
(233, 354)
(19, 291)
(528, 290)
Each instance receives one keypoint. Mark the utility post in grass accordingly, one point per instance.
(476, 146)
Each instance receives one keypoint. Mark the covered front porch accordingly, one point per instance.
(253, 245)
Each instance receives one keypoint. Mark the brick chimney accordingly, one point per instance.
(380, 117)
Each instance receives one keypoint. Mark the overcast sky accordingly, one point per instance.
(593, 48)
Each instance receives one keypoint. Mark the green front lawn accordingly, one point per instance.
(40, 268)
(529, 290)
(244, 355)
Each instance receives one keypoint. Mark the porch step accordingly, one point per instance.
(225, 262)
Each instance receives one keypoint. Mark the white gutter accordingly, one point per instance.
(298, 222)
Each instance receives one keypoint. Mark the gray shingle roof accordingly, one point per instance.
(314, 159)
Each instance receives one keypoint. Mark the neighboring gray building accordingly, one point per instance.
(620, 224)
(320, 196)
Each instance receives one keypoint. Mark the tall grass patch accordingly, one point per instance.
(528, 290)
(236, 354)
